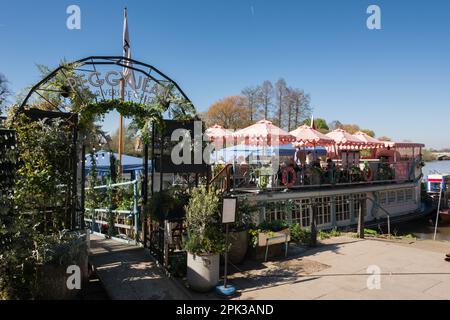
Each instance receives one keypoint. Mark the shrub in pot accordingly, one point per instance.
(239, 232)
(205, 239)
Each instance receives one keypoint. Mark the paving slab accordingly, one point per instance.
(408, 271)
(128, 272)
(337, 269)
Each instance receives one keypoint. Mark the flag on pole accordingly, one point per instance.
(128, 73)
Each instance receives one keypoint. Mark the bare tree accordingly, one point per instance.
(290, 105)
(281, 92)
(298, 107)
(251, 98)
(4, 91)
(265, 97)
(303, 107)
(335, 124)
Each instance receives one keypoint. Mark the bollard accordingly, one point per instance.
(361, 220)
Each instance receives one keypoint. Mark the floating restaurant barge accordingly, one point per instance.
(382, 179)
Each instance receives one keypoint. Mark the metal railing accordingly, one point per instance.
(242, 176)
(222, 180)
(110, 212)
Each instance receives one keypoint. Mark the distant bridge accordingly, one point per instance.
(442, 155)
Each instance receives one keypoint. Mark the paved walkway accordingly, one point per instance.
(129, 273)
(408, 271)
(336, 270)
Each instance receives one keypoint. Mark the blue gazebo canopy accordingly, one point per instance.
(129, 164)
(235, 152)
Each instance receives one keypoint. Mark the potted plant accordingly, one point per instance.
(205, 239)
(239, 232)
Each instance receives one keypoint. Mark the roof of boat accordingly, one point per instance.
(438, 176)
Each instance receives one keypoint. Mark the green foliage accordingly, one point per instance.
(44, 148)
(322, 235)
(320, 124)
(266, 226)
(142, 114)
(370, 232)
(254, 233)
(274, 225)
(203, 220)
(385, 172)
(299, 235)
(178, 265)
(113, 175)
(356, 174)
(369, 132)
(160, 205)
(303, 235)
(244, 214)
(31, 236)
(168, 203)
(92, 195)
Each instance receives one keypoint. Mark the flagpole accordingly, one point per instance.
(122, 90)
(122, 98)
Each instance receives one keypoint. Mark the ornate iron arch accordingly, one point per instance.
(94, 62)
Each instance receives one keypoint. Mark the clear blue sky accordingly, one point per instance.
(394, 81)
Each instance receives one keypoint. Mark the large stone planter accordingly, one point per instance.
(203, 271)
(52, 278)
(239, 245)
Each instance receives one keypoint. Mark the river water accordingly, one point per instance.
(436, 166)
(424, 228)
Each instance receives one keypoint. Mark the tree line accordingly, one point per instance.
(4, 92)
(284, 105)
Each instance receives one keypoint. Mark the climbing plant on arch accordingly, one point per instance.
(90, 87)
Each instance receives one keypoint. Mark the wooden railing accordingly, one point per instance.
(222, 180)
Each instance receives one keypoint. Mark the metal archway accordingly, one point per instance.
(56, 98)
(93, 61)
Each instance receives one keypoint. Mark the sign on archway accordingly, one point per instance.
(95, 79)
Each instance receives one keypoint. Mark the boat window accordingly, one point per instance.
(323, 210)
(435, 186)
(391, 197)
(296, 212)
(342, 208)
(401, 196)
(302, 213)
(383, 198)
(409, 194)
(274, 212)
